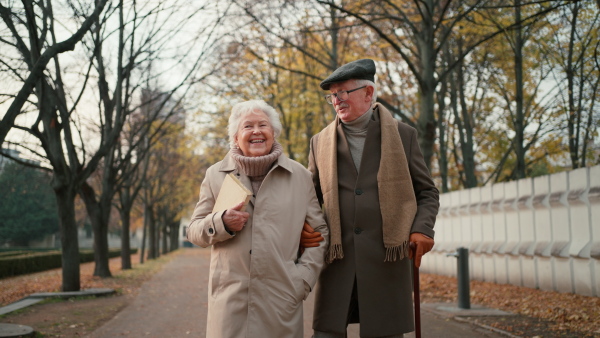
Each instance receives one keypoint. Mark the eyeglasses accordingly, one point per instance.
(342, 95)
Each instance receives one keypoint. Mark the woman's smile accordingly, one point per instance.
(255, 134)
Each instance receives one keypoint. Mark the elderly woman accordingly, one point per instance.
(257, 280)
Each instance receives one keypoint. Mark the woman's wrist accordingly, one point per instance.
(225, 223)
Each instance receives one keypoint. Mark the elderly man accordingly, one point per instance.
(379, 197)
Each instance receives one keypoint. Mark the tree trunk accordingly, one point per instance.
(152, 242)
(99, 216)
(174, 236)
(157, 238)
(458, 111)
(519, 120)
(573, 112)
(426, 123)
(101, 258)
(144, 235)
(334, 31)
(64, 182)
(165, 239)
(125, 242)
(65, 199)
(466, 134)
(441, 120)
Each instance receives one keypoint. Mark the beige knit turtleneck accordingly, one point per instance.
(256, 168)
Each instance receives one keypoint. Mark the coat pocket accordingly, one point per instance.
(300, 290)
(286, 286)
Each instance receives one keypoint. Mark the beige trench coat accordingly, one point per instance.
(257, 282)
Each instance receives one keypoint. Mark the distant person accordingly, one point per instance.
(257, 280)
(378, 197)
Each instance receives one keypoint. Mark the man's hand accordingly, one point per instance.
(423, 244)
(309, 238)
(234, 219)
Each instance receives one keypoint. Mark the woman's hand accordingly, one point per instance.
(234, 219)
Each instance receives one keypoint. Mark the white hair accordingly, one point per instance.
(360, 83)
(243, 108)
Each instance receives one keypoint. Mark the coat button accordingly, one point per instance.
(210, 230)
(357, 230)
(358, 192)
(251, 252)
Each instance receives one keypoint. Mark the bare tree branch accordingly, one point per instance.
(38, 68)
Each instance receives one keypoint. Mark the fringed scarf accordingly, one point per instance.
(397, 200)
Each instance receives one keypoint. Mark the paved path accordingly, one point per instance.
(174, 304)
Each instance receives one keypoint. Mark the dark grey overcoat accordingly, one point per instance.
(383, 288)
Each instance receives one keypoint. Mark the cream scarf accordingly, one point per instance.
(396, 195)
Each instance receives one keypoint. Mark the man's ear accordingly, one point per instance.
(369, 95)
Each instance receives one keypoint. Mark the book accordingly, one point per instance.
(232, 193)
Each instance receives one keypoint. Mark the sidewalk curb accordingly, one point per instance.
(487, 327)
(38, 297)
(451, 311)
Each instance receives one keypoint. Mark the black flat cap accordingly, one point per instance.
(363, 69)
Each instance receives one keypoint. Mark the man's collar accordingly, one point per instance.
(368, 112)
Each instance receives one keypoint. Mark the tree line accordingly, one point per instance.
(102, 109)
(498, 90)
(99, 92)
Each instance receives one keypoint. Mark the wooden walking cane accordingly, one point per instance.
(417, 296)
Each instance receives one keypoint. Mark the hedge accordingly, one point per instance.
(29, 262)
(24, 248)
(12, 253)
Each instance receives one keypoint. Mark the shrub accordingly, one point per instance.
(14, 263)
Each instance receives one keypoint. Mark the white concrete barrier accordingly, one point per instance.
(540, 233)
